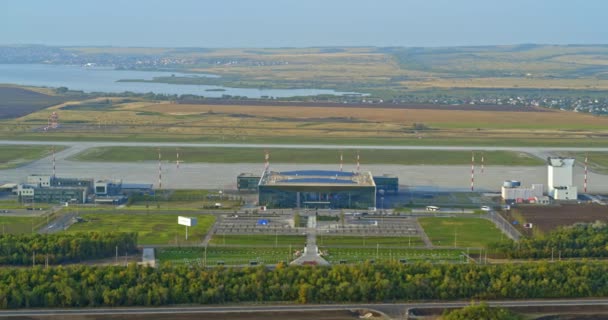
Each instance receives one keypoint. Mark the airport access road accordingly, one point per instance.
(393, 310)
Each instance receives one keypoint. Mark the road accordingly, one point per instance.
(223, 176)
(394, 310)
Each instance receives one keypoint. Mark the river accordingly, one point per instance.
(99, 79)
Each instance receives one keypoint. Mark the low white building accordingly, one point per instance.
(513, 191)
(565, 193)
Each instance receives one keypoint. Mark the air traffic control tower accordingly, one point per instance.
(560, 178)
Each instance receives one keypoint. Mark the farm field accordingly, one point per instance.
(12, 156)
(225, 255)
(547, 218)
(367, 241)
(357, 255)
(151, 228)
(19, 101)
(324, 156)
(460, 232)
(258, 240)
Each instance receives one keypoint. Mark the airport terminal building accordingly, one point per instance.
(317, 189)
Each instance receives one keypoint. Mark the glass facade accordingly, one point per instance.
(321, 196)
(247, 182)
(387, 183)
(59, 195)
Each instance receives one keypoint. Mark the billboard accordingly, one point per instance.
(186, 221)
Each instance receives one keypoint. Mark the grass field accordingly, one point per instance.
(361, 241)
(356, 255)
(460, 232)
(324, 156)
(19, 225)
(597, 161)
(152, 228)
(372, 119)
(12, 156)
(225, 255)
(258, 240)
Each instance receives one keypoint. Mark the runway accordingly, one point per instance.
(223, 176)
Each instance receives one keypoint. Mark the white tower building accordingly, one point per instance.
(560, 178)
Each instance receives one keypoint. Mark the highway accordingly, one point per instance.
(223, 176)
(394, 310)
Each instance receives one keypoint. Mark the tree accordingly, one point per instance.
(296, 220)
(480, 312)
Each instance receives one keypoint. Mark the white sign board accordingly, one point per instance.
(186, 221)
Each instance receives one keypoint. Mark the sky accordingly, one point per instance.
(302, 23)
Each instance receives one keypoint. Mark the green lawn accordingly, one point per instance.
(597, 161)
(278, 155)
(14, 156)
(361, 241)
(227, 255)
(19, 225)
(468, 232)
(356, 255)
(263, 240)
(152, 228)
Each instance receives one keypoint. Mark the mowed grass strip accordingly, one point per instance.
(321, 156)
(225, 255)
(367, 241)
(219, 239)
(13, 156)
(151, 228)
(357, 255)
(467, 232)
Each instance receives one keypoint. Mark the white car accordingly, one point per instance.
(486, 208)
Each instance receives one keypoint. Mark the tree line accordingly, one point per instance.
(480, 312)
(29, 249)
(93, 286)
(577, 241)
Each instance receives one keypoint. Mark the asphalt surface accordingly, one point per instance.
(393, 310)
(223, 176)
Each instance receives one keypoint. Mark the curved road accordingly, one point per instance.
(223, 176)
